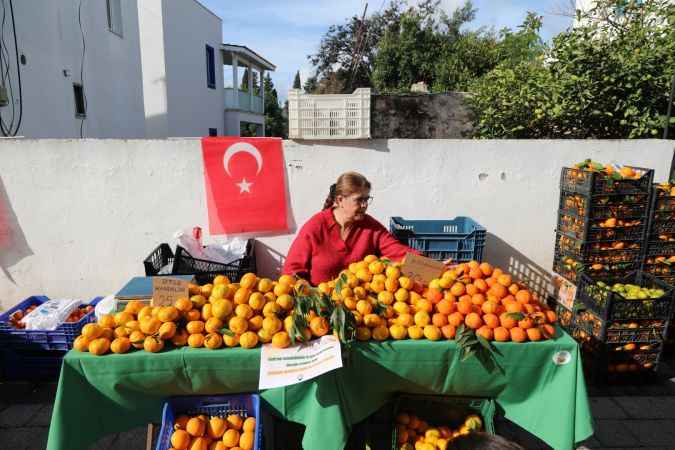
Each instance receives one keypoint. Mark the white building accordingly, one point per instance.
(80, 69)
(126, 69)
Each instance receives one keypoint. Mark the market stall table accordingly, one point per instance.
(540, 389)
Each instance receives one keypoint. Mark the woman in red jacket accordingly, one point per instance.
(342, 233)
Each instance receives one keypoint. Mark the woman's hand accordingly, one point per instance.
(448, 263)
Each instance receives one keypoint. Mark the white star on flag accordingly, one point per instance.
(244, 186)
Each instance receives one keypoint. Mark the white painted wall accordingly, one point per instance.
(48, 34)
(83, 214)
(151, 29)
(193, 107)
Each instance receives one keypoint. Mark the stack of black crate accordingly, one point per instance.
(622, 335)
(659, 255)
(601, 226)
(600, 237)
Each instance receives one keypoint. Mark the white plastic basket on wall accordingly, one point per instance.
(329, 116)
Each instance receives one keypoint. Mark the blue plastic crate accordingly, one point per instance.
(245, 405)
(27, 365)
(461, 238)
(61, 338)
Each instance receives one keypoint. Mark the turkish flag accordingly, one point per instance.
(245, 187)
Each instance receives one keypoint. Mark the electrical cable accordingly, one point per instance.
(2, 43)
(84, 47)
(18, 72)
(4, 54)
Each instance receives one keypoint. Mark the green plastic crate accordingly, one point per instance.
(439, 410)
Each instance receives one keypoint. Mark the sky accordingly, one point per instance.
(286, 31)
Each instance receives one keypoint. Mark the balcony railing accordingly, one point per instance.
(237, 99)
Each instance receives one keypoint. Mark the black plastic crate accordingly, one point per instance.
(665, 226)
(591, 230)
(570, 268)
(640, 332)
(663, 203)
(607, 304)
(662, 272)
(631, 366)
(661, 248)
(661, 213)
(185, 264)
(592, 182)
(613, 362)
(604, 206)
(609, 252)
(565, 316)
(161, 258)
(663, 200)
(182, 263)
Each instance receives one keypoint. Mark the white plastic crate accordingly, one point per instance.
(329, 116)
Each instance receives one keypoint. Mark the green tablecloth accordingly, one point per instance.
(102, 395)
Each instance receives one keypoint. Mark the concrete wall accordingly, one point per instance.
(193, 107)
(420, 116)
(48, 34)
(77, 217)
(151, 29)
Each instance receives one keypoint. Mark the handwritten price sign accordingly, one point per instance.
(421, 269)
(166, 290)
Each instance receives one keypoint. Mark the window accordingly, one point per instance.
(213, 131)
(210, 67)
(80, 108)
(114, 11)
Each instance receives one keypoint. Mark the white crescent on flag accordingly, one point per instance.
(239, 147)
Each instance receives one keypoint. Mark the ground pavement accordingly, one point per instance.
(626, 417)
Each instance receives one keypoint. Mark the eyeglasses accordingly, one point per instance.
(367, 200)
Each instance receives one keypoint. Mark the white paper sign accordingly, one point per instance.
(286, 366)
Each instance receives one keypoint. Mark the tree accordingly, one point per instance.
(311, 85)
(244, 81)
(275, 123)
(430, 46)
(346, 52)
(609, 77)
(296, 81)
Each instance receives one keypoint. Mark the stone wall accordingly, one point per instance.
(420, 116)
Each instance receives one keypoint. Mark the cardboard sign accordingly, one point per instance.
(421, 269)
(286, 366)
(565, 290)
(166, 290)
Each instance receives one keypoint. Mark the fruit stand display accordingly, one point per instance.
(371, 300)
(622, 326)
(473, 316)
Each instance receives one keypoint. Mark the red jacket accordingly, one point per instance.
(319, 253)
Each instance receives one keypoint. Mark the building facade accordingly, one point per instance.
(125, 69)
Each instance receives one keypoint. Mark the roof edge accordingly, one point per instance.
(242, 49)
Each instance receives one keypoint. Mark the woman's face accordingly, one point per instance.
(354, 206)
